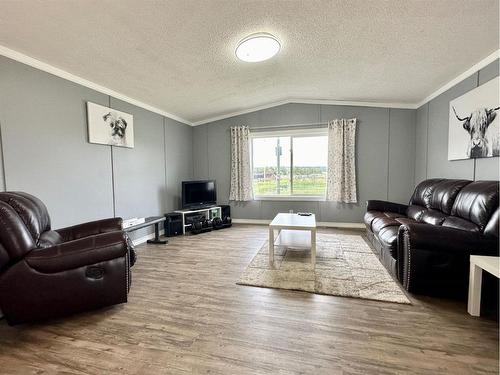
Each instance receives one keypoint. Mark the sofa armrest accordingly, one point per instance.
(78, 253)
(375, 205)
(435, 259)
(91, 228)
(445, 239)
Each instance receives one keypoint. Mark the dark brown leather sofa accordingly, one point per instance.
(48, 273)
(427, 244)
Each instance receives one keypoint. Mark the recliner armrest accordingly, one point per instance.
(445, 239)
(375, 205)
(90, 229)
(78, 253)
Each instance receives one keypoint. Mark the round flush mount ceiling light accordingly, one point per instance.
(257, 47)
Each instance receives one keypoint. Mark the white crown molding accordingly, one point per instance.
(242, 112)
(22, 58)
(355, 103)
(307, 101)
(473, 69)
(476, 67)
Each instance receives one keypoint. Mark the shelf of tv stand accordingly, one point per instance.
(206, 210)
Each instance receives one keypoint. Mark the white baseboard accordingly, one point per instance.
(250, 221)
(333, 224)
(143, 239)
(327, 224)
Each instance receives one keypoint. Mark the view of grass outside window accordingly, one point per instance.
(289, 165)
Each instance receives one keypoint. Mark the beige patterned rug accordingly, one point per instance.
(345, 266)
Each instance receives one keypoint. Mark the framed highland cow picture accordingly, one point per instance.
(474, 123)
(108, 126)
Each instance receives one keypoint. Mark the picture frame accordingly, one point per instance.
(109, 126)
(474, 123)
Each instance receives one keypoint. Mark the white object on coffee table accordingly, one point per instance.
(478, 263)
(294, 231)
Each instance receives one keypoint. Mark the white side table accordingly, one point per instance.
(478, 263)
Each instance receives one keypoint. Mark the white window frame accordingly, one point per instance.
(313, 132)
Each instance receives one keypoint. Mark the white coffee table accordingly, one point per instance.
(295, 231)
(478, 263)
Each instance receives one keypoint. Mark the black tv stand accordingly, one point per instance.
(210, 212)
(204, 207)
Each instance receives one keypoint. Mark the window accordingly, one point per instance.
(289, 164)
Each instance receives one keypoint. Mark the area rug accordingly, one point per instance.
(345, 266)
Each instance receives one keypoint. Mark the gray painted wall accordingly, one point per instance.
(139, 174)
(385, 157)
(46, 153)
(431, 135)
(2, 172)
(179, 157)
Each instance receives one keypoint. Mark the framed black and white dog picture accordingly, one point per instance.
(110, 127)
(474, 123)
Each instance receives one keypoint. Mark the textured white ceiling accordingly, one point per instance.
(178, 55)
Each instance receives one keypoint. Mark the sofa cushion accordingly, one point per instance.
(477, 202)
(415, 212)
(388, 237)
(459, 223)
(423, 192)
(382, 222)
(405, 220)
(393, 215)
(433, 217)
(370, 216)
(444, 194)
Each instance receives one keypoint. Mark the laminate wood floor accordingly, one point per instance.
(186, 315)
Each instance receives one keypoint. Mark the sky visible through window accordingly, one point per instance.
(272, 173)
(308, 151)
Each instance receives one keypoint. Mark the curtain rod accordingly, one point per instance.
(317, 124)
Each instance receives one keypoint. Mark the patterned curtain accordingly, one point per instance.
(241, 174)
(341, 174)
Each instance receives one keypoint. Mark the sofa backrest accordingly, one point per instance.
(477, 202)
(460, 204)
(423, 192)
(444, 194)
(23, 219)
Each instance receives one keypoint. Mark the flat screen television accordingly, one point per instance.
(198, 193)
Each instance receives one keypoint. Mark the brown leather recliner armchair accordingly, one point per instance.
(48, 273)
